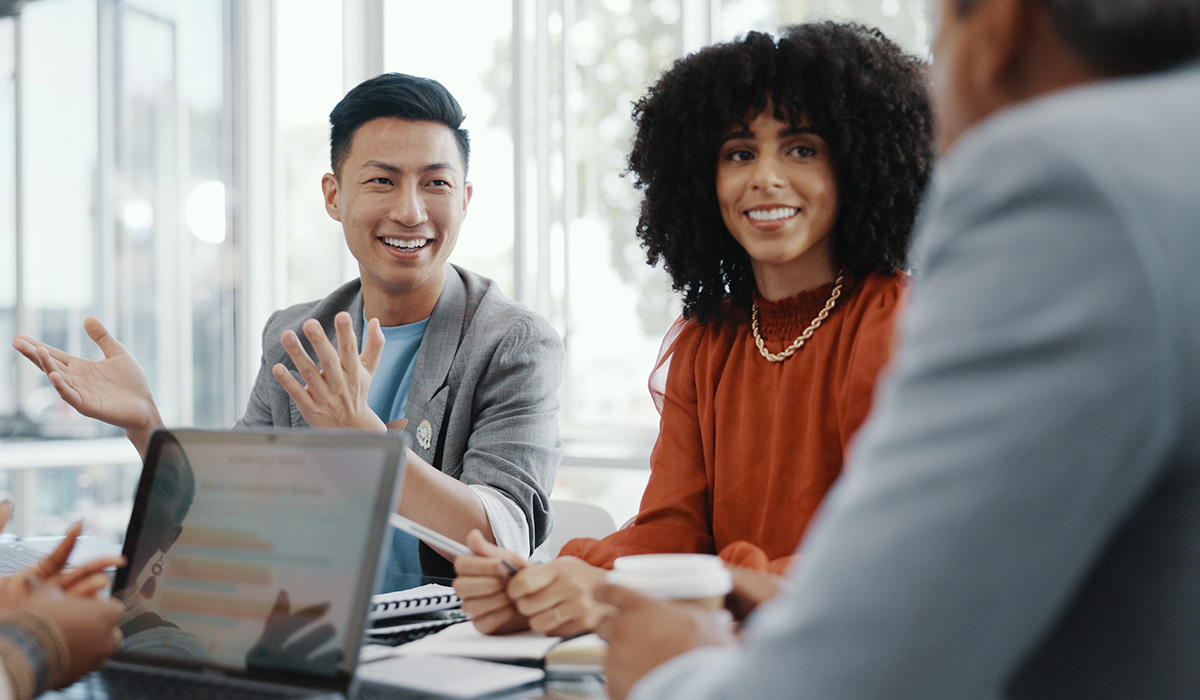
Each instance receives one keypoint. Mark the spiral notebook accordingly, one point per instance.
(414, 601)
(403, 616)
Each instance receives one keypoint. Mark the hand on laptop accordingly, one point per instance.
(85, 580)
(334, 392)
(89, 626)
(113, 390)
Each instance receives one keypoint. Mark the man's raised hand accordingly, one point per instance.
(334, 392)
(114, 390)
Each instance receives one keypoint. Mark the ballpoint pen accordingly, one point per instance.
(437, 539)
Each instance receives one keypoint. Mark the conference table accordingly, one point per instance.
(553, 688)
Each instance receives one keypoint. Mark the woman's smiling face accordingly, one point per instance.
(778, 193)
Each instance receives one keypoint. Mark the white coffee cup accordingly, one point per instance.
(701, 579)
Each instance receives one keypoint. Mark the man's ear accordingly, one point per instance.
(1005, 27)
(329, 186)
(469, 189)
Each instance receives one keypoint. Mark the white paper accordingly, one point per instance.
(448, 676)
(465, 640)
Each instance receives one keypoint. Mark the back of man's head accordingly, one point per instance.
(398, 96)
(1124, 37)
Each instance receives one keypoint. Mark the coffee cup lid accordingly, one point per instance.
(672, 576)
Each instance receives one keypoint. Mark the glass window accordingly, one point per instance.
(472, 58)
(903, 21)
(618, 307)
(8, 221)
(120, 112)
(308, 85)
(59, 167)
(211, 295)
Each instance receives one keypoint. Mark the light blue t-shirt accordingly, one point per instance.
(387, 397)
(393, 377)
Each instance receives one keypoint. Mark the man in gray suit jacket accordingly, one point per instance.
(1020, 516)
(470, 375)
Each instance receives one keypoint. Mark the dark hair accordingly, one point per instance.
(398, 96)
(174, 481)
(1121, 37)
(864, 95)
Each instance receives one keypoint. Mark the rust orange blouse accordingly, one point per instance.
(747, 448)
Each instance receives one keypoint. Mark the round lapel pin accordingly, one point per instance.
(424, 434)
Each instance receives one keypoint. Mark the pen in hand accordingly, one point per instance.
(437, 539)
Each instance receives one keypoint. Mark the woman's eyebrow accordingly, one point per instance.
(743, 133)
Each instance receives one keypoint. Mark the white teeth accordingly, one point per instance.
(772, 214)
(405, 245)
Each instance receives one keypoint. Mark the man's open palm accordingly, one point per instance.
(114, 390)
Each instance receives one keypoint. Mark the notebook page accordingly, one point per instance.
(465, 640)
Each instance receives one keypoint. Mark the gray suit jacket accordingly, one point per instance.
(1020, 516)
(483, 406)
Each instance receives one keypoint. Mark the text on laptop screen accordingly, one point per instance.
(250, 555)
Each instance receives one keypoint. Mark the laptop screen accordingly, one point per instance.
(256, 551)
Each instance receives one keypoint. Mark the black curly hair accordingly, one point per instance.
(864, 95)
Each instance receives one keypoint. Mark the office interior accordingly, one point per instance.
(160, 167)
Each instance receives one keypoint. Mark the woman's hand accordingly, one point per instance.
(481, 584)
(113, 390)
(89, 626)
(556, 597)
(85, 580)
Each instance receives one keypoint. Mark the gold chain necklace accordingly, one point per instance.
(812, 327)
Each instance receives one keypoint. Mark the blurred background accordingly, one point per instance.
(160, 167)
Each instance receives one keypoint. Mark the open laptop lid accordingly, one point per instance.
(254, 554)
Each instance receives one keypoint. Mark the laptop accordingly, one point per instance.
(251, 560)
(19, 555)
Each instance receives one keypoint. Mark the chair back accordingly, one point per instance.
(576, 519)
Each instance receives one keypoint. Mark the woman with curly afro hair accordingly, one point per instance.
(781, 180)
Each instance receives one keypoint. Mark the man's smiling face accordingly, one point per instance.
(401, 197)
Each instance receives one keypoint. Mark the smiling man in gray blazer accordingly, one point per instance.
(471, 376)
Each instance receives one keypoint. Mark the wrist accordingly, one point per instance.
(366, 422)
(139, 434)
(34, 653)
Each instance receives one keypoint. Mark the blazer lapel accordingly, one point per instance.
(428, 394)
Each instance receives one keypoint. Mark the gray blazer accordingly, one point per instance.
(1020, 514)
(483, 406)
